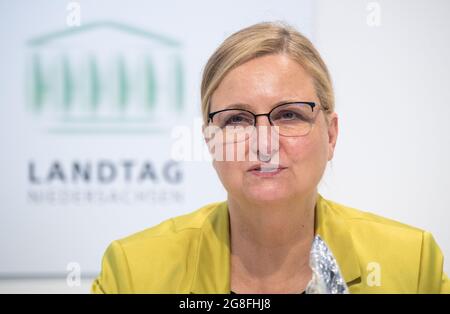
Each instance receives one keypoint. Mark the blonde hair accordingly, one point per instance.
(264, 39)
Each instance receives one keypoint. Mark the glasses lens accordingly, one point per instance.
(233, 118)
(235, 125)
(293, 119)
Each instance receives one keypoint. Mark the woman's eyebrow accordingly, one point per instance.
(248, 107)
(238, 106)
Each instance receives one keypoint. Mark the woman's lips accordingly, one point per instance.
(266, 171)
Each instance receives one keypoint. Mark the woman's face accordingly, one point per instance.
(260, 84)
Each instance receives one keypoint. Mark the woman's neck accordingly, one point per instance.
(270, 243)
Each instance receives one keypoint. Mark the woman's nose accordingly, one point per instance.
(266, 142)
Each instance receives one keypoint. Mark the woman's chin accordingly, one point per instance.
(266, 194)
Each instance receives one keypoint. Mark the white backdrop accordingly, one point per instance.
(85, 144)
(393, 99)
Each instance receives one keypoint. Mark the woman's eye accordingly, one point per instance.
(290, 115)
(237, 120)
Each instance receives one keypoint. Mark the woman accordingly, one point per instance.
(267, 82)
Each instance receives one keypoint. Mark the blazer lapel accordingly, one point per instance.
(212, 262)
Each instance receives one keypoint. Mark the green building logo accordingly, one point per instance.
(104, 77)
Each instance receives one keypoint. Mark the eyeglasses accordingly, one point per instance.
(291, 119)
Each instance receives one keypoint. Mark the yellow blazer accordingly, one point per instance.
(191, 254)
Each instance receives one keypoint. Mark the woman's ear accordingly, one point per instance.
(208, 135)
(203, 132)
(333, 130)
